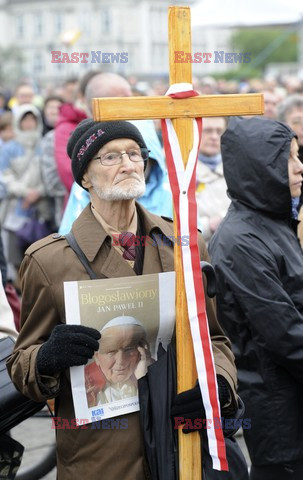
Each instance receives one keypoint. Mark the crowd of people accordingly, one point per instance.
(37, 191)
(61, 171)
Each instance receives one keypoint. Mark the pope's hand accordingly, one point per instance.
(144, 362)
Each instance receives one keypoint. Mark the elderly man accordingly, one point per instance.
(108, 160)
(157, 196)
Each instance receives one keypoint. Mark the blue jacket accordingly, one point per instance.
(9, 150)
(157, 197)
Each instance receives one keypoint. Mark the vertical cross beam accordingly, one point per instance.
(179, 32)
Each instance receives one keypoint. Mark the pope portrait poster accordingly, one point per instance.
(134, 315)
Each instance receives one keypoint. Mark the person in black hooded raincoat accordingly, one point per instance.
(259, 267)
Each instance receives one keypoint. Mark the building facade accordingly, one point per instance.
(123, 36)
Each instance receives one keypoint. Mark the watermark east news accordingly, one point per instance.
(94, 56)
(218, 56)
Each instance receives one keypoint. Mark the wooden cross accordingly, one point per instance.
(181, 111)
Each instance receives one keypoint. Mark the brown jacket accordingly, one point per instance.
(88, 453)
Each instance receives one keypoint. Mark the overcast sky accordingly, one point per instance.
(245, 12)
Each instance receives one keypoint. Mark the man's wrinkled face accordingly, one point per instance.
(124, 181)
(118, 354)
(213, 128)
(295, 170)
(295, 120)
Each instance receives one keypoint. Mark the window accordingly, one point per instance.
(58, 23)
(85, 22)
(106, 21)
(37, 24)
(158, 21)
(20, 26)
(38, 63)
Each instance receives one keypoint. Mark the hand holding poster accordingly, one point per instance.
(134, 315)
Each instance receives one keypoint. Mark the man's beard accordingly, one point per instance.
(114, 193)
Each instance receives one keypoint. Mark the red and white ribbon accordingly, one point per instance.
(183, 184)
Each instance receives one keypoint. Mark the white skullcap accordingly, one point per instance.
(120, 321)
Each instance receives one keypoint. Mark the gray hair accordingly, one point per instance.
(291, 102)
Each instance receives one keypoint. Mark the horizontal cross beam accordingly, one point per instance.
(141, 108)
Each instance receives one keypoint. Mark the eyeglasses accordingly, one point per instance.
(114, 158)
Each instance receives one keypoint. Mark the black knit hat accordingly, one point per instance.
(89, 136)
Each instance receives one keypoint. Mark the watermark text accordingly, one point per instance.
(212, 57)
(206, 423)
(59, 423)
(89, 57)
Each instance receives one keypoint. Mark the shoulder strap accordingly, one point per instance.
(138, 266)
(74, 245)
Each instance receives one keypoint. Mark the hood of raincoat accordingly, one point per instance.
(27, 138)
(255, 155)
(23, 110)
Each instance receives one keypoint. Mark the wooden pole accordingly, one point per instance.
(179, 31)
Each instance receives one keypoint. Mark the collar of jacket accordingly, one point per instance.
(90, 235)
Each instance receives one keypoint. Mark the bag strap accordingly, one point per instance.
(140, 248)
(80, 254)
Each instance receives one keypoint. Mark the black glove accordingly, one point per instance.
(68, 345)
(189, 406)
(237, 416)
